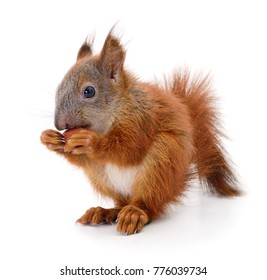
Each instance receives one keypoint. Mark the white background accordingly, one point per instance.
(42, 195)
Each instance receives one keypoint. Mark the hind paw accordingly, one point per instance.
(131, 220)
(98, 215)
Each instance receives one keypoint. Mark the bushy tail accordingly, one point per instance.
(212, 163)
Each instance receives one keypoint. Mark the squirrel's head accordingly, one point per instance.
(88, 94)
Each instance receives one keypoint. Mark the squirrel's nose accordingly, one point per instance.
(60, 126)
(60, 123)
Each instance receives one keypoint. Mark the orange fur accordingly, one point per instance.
(155, 134)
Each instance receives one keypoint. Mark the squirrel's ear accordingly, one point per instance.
(85, 49)
(112, 57)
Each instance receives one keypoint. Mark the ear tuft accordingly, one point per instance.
(85, 49)
(112, 56)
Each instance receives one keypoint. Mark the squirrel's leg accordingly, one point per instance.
(160, 181)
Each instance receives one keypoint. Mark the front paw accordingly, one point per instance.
(53, 140)
(131, 220)
(80, 142)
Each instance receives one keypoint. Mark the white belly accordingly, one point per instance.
(121, 179)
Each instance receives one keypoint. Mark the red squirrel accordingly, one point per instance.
(139, 143)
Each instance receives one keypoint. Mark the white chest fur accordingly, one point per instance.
(121, 178)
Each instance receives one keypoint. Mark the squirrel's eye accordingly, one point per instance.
(89, 92)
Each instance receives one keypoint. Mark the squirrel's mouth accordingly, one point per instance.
(88, 127)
